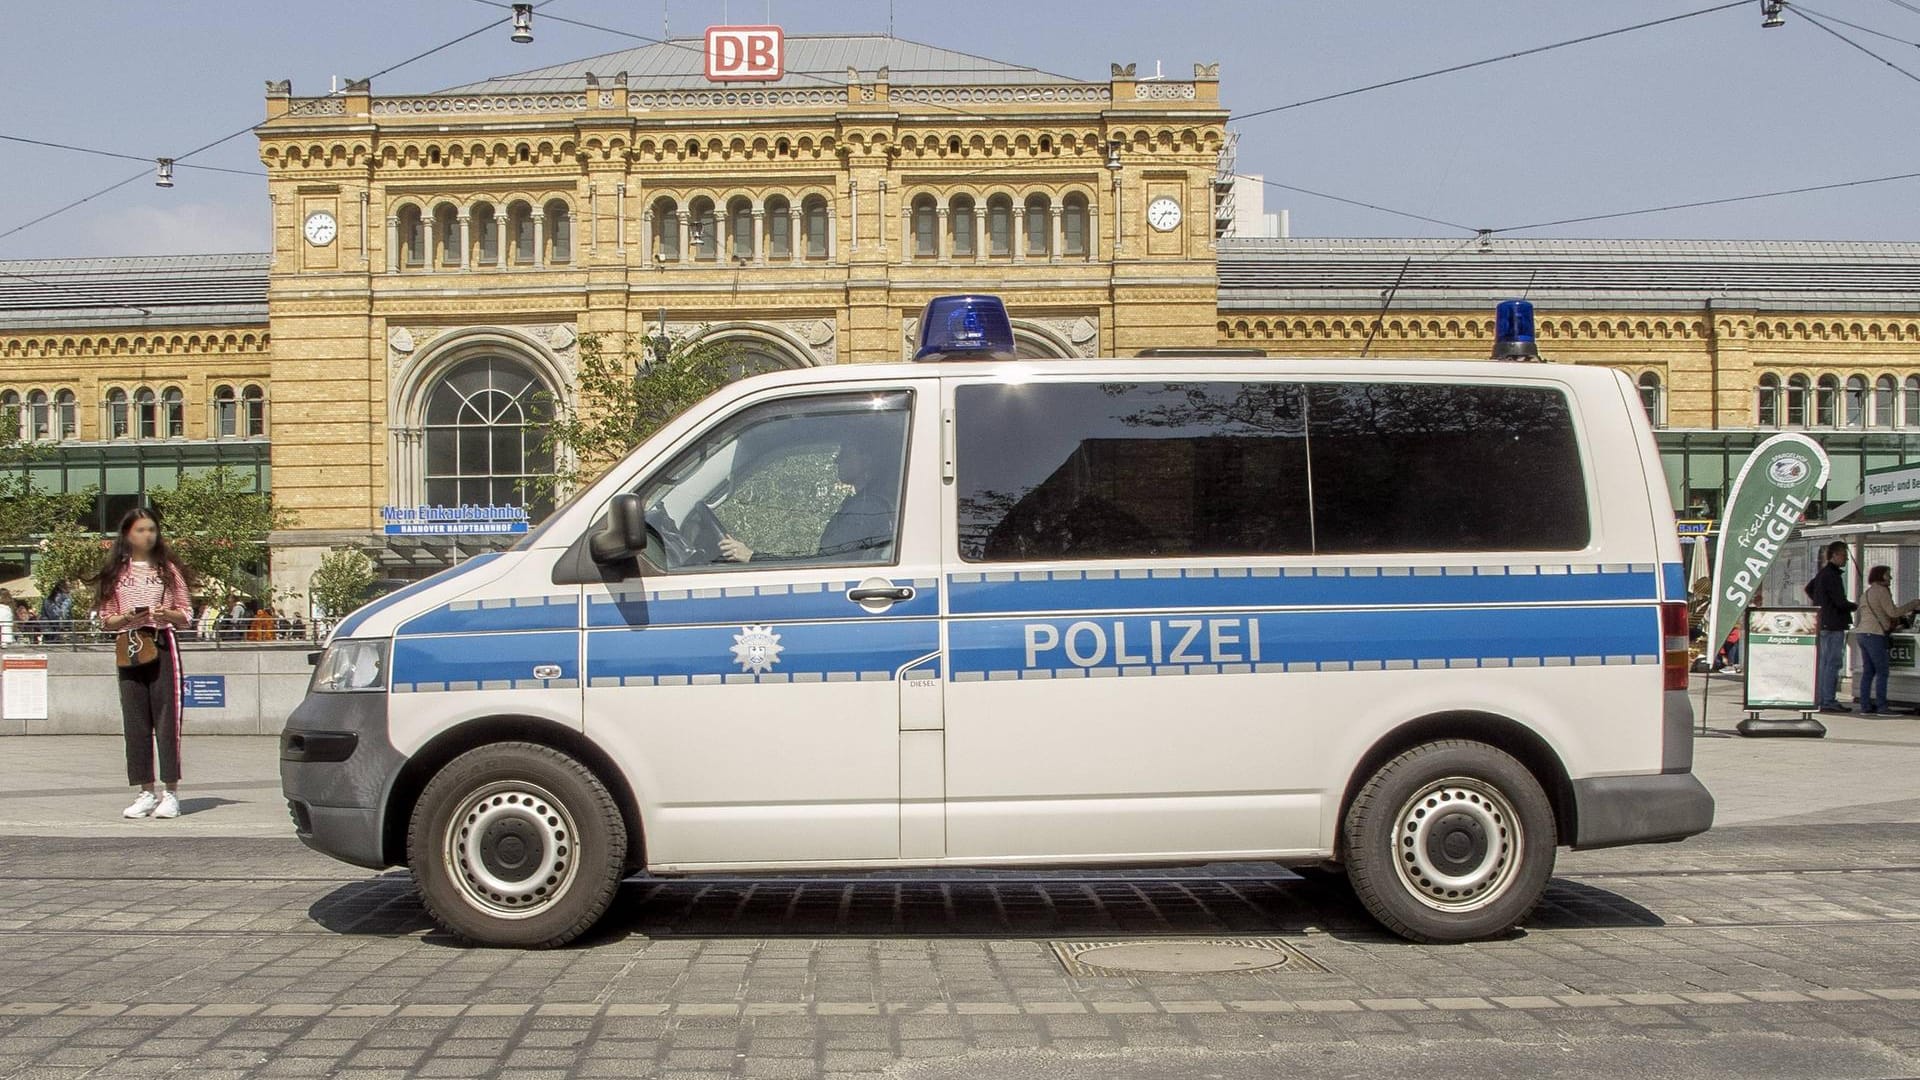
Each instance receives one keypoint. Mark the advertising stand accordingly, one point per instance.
(1781, 670)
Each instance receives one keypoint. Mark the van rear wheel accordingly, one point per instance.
(516, 844)
(1450, 841)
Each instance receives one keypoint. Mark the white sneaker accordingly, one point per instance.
(169, 806)
(142, 806)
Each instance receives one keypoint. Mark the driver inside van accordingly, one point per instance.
(864, 522)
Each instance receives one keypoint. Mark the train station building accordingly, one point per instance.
(438, 259)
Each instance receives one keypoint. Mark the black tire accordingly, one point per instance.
(516, 844)
(1450, 841)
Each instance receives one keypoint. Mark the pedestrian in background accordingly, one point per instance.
(6, 617)
(56, 611)
(144, 589)
(1879, 617)
(209, 621)
(1828, 591)
(237, 620)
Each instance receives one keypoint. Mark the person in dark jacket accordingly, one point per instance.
(1828, 590)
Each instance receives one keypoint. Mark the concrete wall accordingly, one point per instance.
(263, 686)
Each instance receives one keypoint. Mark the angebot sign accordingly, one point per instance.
(745, 54)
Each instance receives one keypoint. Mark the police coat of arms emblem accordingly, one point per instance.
(756, 649)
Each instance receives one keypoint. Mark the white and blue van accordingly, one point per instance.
(1424, 621)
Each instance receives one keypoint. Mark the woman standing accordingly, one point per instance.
(1878, 616)
(143, 588)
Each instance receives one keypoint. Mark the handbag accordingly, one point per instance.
(136, 648)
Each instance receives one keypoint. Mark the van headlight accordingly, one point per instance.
(352, 665)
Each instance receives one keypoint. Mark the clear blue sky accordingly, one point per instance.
(1709, 107)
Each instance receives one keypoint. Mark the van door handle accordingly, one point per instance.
(889, 592)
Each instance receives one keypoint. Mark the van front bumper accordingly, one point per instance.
(336, 767)
(1610, 811)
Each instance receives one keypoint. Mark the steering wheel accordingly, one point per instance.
(702, 532)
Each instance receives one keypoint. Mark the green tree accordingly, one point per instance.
(625, 396)
(341, 582)
(72, 553)
(218, 526)
(26, 511)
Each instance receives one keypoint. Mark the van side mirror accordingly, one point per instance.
(624, 533)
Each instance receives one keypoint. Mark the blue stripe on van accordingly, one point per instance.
(803, 601)
(1129, 590)
(355, 621)
(1213, 643)
(485, 661)
(807, 652)
(560, 611)
(1673, 578)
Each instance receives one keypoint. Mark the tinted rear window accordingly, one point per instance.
(1169, 469)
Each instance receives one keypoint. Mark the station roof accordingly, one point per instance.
(134, 291)
(812, 60)
(1346, 274)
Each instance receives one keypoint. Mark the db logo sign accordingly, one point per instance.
(745, 53)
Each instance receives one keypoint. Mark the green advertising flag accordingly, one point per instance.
(1766, 503)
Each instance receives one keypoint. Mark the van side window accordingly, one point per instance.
(1128, 470)
(813, 480)
(1410, 467)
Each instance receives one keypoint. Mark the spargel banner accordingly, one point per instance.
(1767, 501)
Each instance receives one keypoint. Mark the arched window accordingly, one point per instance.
(1038, 226)
(1797, 388)
(779, 238)
(520, 233)
(146, 414)
(118, 426)
(1767, 401)
(253, 412)
(1885, 395)
(1854, 402)
(1652, 399)
(740, 228)
(926, 228)
(66, 415)
(999, 226)
(813, 220)
(704, 229)
(412, 237)
(173, 413)
(1826, 401)
(39, 418)
(1910, 402)
(666, 230)
(483, 432)
(1074, 222)
(226, 413)
(559, 225)
(486, 235)
(446, 237)
(12, 416)
(960, 223)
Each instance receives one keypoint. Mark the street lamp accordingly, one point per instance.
(523, 23)
(163, 172)
(1770, 16)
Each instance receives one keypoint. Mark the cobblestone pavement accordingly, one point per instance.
(1783, 944)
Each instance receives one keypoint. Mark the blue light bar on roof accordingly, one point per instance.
(965, 328)
(1513, 331)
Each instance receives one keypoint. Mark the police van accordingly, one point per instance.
(1423, 621)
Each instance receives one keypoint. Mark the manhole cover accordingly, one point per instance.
(1206, 957)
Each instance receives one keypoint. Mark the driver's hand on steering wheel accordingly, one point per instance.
(732, 550)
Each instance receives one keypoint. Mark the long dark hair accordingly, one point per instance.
(121, 554)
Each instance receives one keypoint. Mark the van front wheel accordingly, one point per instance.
(1450, 841)
(516, 844)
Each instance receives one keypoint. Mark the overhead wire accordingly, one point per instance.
(1855, 25)
(126, 157)
(1536, 50)
(1820, 23)
(1709, 202)
(203, 147)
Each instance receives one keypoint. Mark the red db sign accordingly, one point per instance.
(745, 53)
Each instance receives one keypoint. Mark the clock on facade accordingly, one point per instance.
(320, 228)
(1163, 214)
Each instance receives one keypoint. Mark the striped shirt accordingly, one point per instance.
(142, 586)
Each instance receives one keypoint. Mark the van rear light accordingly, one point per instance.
(1673, 643)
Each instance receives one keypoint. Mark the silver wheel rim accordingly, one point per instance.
(511, 849)
(1457, 844)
